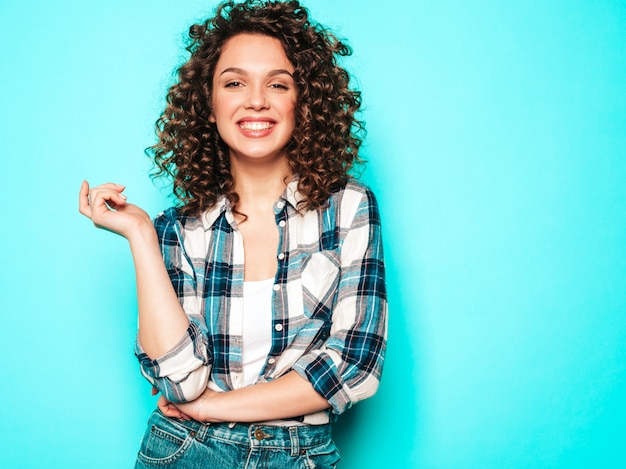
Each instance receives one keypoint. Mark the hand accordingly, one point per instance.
(106, 207)
(198, 409)
(170, 410)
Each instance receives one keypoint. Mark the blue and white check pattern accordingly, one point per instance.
(329, 301)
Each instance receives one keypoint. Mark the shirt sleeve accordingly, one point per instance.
(347, 367)
(182, 373)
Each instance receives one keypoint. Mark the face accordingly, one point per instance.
(254, 97)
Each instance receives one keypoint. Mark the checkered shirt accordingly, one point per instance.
(329, 307)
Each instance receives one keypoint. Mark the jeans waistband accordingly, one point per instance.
(295, 438)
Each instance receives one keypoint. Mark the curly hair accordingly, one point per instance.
(324, 146)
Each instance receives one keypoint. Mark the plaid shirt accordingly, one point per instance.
(329, 302)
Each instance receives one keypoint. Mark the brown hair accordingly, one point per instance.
(325, 142)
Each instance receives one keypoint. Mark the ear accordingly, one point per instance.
(212, 117)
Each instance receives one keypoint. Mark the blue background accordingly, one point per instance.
(497, 148)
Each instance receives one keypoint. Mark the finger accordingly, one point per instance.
(168, 408)
(86, 196)
(171, 410)
(108, 187)
(105, 198)
(83, 199)
(154, 391)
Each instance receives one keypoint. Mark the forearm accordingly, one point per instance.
(162, 321)
(286, 397)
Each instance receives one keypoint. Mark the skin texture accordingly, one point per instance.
(253, 84)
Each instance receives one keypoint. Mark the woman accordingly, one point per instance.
(261, 297)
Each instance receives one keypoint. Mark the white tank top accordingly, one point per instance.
(257, 328)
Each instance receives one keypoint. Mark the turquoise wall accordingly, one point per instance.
(497, 147)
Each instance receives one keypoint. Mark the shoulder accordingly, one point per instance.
(355, 193)
(172, 218)
(355, 203)
(354, 188)
(168, 217)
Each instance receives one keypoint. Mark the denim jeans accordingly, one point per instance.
(189, 444)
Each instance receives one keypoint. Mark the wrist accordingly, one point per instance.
(214, 407)
(142, 235)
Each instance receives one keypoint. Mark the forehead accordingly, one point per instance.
(253, 52)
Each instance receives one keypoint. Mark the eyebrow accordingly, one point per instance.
(241, 71)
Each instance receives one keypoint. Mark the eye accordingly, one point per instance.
(279, 86)
(233, 84)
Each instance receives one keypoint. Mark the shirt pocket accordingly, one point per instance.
(320, 277)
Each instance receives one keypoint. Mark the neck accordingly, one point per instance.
(260, 182)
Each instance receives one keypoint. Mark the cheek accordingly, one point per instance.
(290, 109)
(220, 105)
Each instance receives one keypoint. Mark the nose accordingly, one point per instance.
(257, 97)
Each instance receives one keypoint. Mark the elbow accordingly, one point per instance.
(350, 394)
(185, 390)
(367, 391)
(364, 390)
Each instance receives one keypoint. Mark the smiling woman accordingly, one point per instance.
(261, 297)
(190, 148)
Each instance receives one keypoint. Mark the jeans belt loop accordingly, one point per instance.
(202, 431)
(295, 441)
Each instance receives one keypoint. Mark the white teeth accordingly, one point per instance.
(255, 126)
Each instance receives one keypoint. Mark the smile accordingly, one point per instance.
(256, 126)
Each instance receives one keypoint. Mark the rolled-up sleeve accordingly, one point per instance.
(347, 368)
(182, 373)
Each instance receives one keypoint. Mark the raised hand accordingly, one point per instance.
(106, 207)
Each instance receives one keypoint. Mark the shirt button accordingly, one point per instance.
(276, 287)
(280, 204)
(278, 327)
(281, 256)
(281, 223)
(271, 361)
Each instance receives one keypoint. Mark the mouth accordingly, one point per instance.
(255, 126)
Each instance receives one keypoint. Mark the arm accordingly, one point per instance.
(286, 397)
(162, 320)
(348, 366)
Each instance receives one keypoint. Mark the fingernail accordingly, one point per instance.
(123, 196)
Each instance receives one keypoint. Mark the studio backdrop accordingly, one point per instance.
(497, 147)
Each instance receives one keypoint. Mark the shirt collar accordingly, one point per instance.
(210, 216)
(291, 195)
